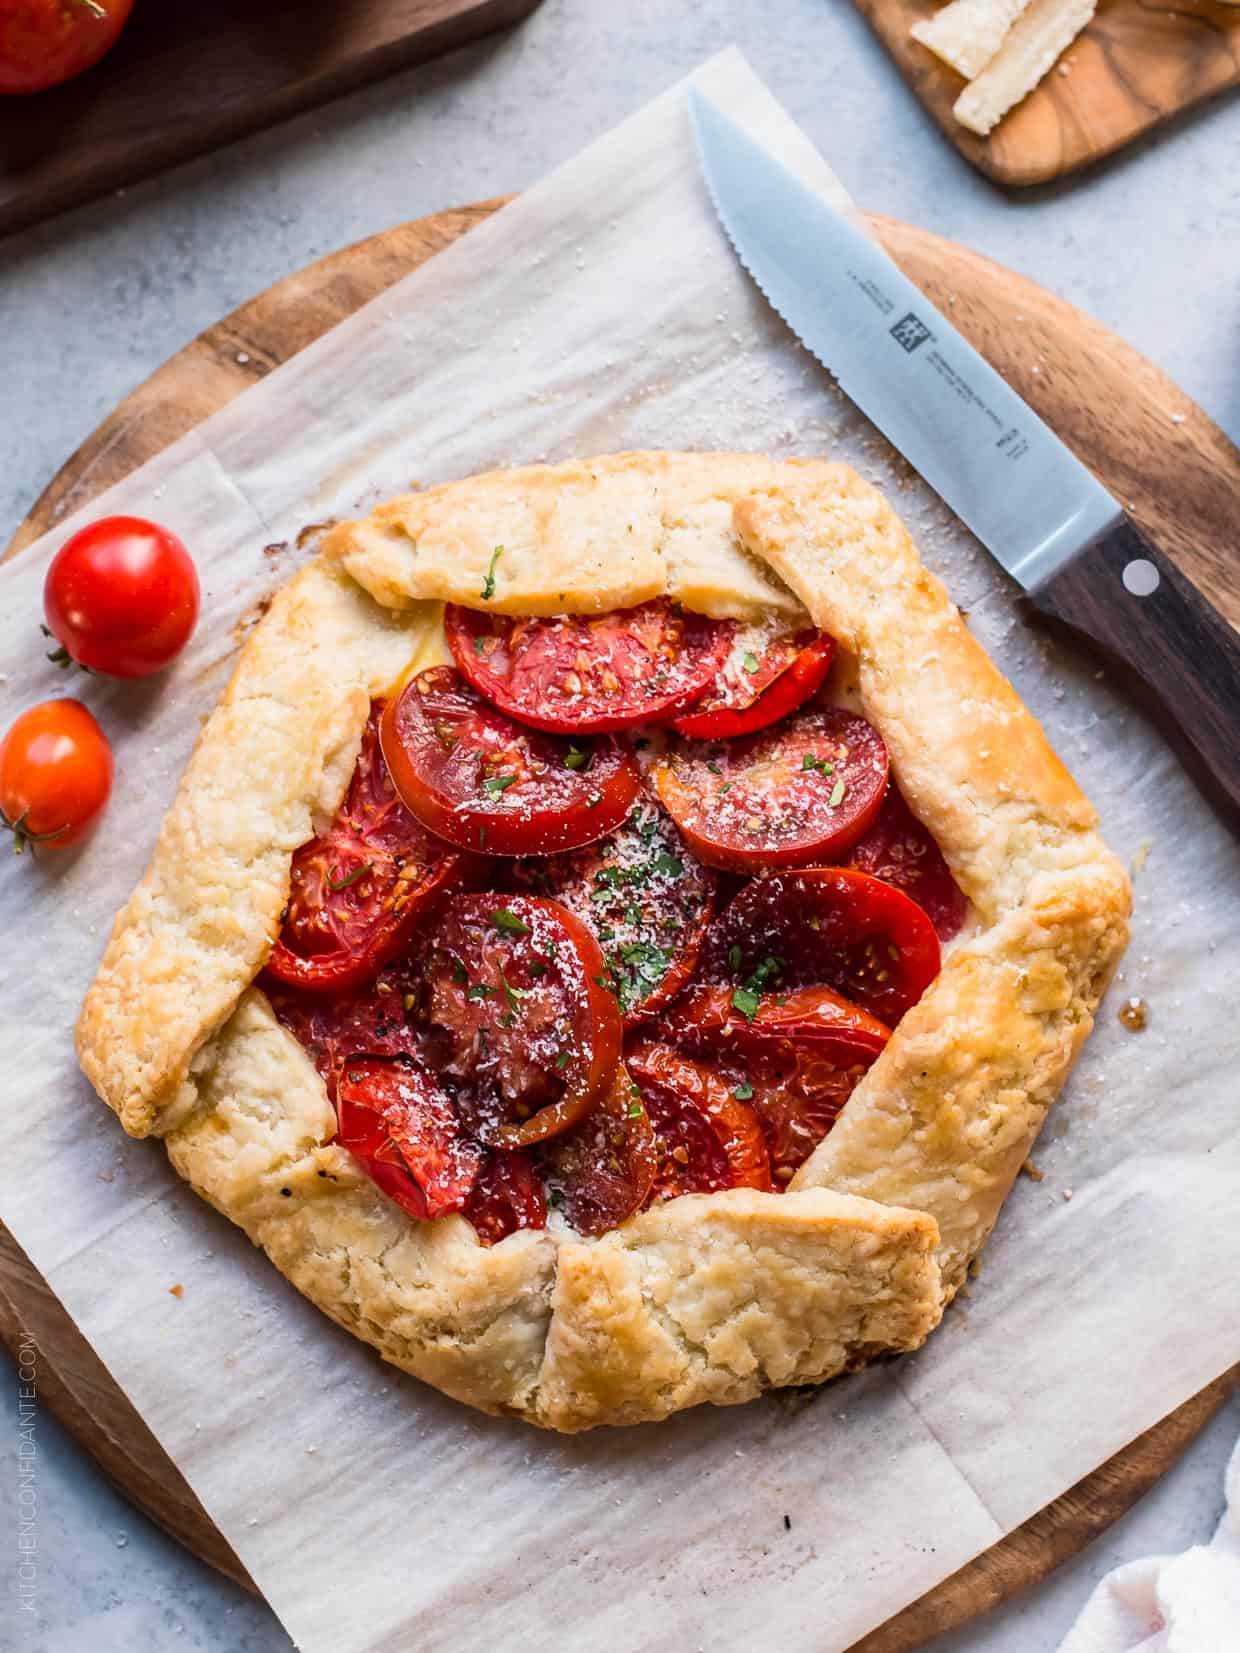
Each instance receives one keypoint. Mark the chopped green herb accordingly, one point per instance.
(632, 915)
(478, 992)
(634, 1110)
(512, 995)
(809, 761)
(743, 1091)
(334, 883)
(751, 662)
(556, 1197)
(648, 828)
(575, 758)
(669, 864)
(747, 999)
(713, 767)
(601, 895)
(734, 956)
(506, 920)
(538, 968)
(488, 588)
(458, 973)
(837, 795)
(480, 645)
(726, 787)
(605, 982)
(605, 932)
(495, 784)
(562, 1061)
(482, 837)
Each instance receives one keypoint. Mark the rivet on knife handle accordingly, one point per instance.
(1130, 600)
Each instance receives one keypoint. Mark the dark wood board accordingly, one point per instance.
(1137, 65)
(184, 80)
(1181, 482)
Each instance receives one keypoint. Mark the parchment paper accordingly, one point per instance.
(605, 311)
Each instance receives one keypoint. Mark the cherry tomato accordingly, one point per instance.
(401, 1125)
(644, 898)
(576, 674)
(45, 42)
(55, 775)
(797, 1062)
(797, 794)
(519, 1017)
(706, 1138)
(756, 690)
(482, 782)
(900, 851)
(822, 927)
(359, 891)
(602, 1170)
(508, 1195)
(121, 597)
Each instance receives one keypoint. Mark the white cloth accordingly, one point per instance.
(1186, 1603)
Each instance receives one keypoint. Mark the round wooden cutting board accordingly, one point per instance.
(1175, 471)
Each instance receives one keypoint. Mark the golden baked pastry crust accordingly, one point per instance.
(709, 1297)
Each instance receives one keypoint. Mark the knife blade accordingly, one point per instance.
(1034, 506)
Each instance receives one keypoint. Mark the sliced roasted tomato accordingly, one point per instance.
(579, 674)
(360, 889)
(602, 1170)
(393, 1115)
(507, 1195)
(372, 1022)
(518, 1016)
(482, 782)
(789, 796)
(796, 1062)
(644, 897)
(706, 1137)
(761, 681)
(822, 927)
(900, 851)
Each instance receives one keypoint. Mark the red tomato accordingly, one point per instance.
(507, 1195)
(900, 851)
(374, 1022)
(602, 1170)
(395, 1118)
(576, 674)
(761, 688)
(482, 782)
(44, 42)
(646, 901)
(359, 891)
(121, 597)
(796, 1063)
(706, 1138)
(789, 796)
(55, 775)
(519, 1016)
(823, 927)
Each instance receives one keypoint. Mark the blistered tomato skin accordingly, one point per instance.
(518, 1015)
(121, 597)
(823, 927)
(706, 1138)
(481, 781)
(55, 775)
(791, 796)
(603, 1170)
(582, 674)
(394, 1117)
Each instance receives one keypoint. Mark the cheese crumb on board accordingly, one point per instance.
(967, 33)
(1033, 43)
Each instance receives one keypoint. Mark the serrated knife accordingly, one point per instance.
(1039, 512)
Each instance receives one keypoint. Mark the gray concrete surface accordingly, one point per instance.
(92, 302)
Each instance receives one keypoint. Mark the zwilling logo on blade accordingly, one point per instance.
(910, 333)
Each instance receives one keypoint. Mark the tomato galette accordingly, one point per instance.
(617, 938)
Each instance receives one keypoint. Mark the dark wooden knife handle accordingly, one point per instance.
(1177, 650)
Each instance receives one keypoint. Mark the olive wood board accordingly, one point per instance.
(181, 81)
(1138, 64)
(1175, 470)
